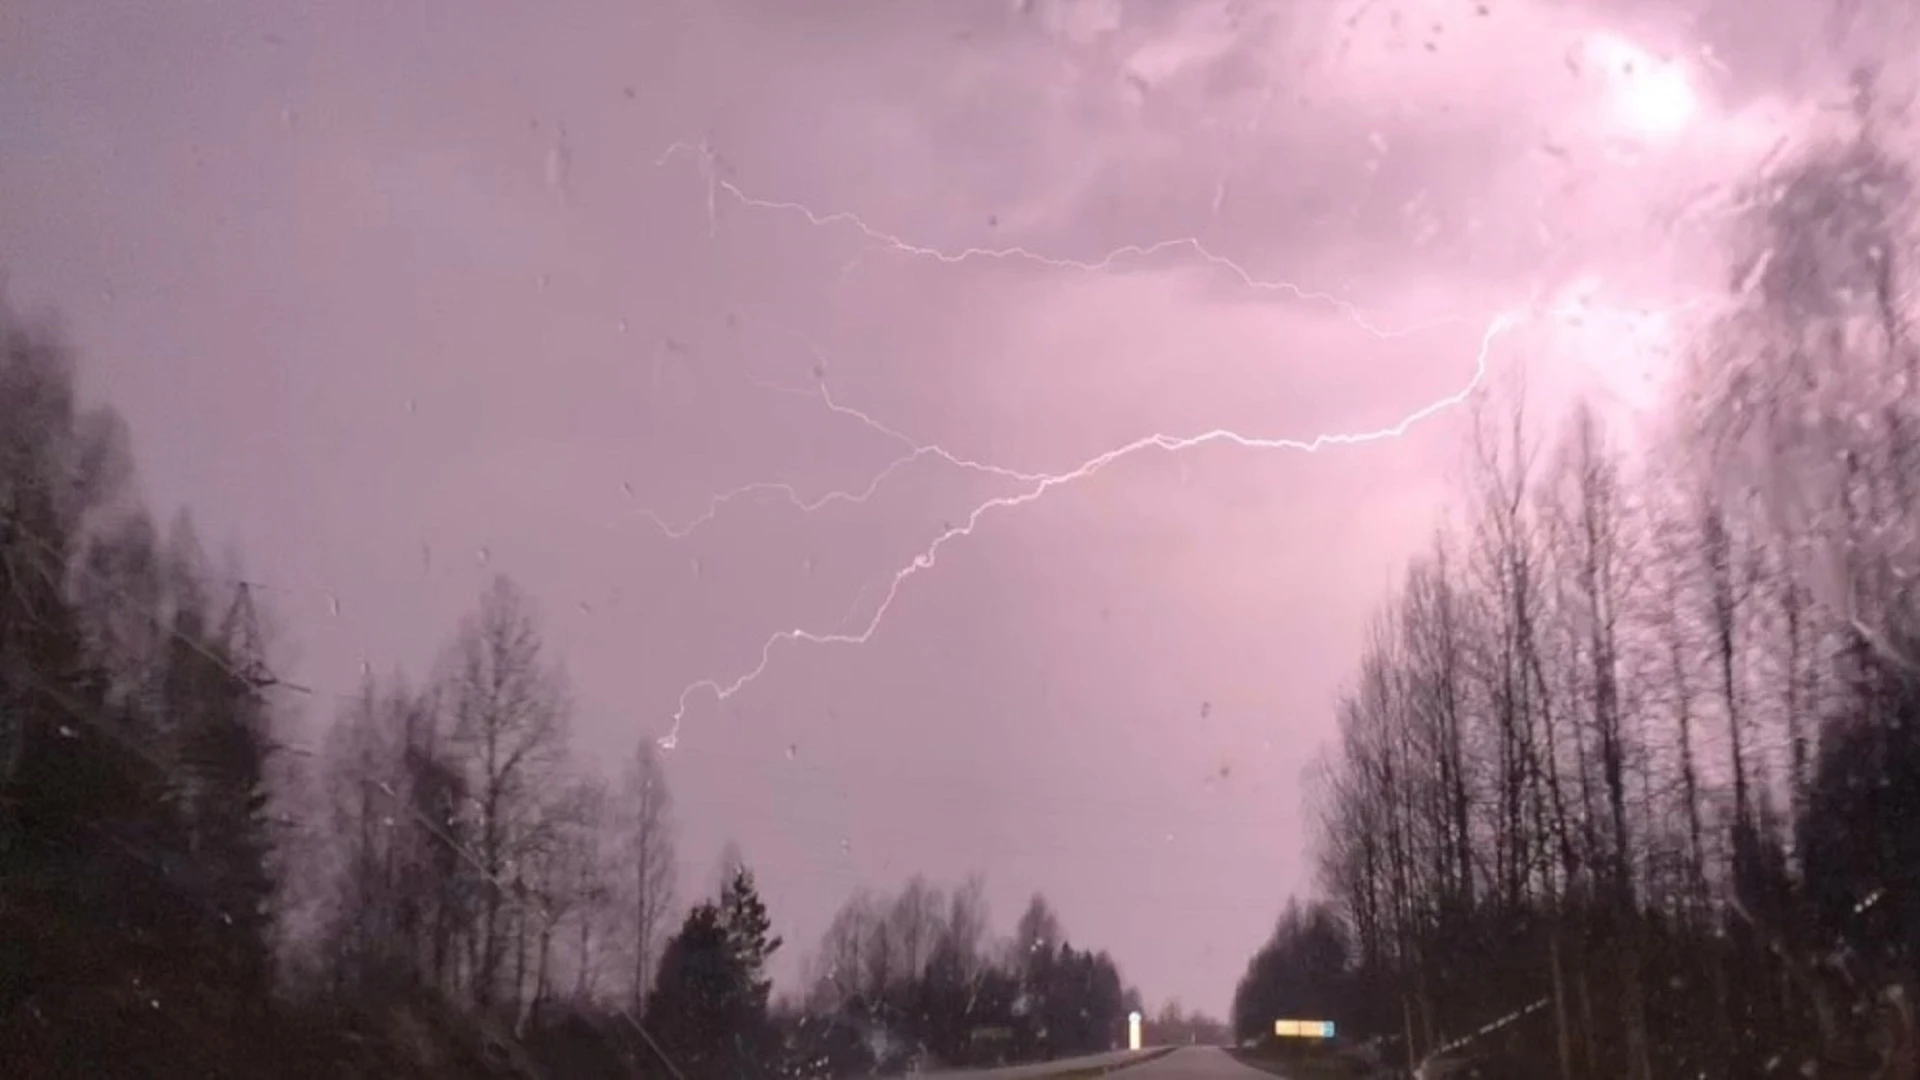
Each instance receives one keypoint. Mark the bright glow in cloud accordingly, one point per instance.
(1650, 97)
(1630, 354)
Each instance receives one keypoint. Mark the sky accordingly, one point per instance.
(398, 296)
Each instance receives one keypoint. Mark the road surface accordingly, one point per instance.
(1038, 1069)
(1194, 1063)
(1185, 1063)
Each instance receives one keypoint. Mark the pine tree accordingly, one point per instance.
(97, 915)
(708, 1006)
(219, 723)
(750, 941)
(237, 819)
(693, 1007)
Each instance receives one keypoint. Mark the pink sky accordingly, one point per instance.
(398, 295)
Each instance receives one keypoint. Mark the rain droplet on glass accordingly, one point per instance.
(559, 162)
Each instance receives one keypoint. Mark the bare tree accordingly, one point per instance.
(1607, 766)
(648, 862)
(913, 925)
(1037, 931)
(839, 968)
(601, 923)
(509, 711)
(966, 927)
(568, 885)
(1593, 532)
(399, 909)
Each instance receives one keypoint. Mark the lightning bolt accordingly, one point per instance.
(1034, 486)
(1111, 261)
(915, 451)
(710, 164)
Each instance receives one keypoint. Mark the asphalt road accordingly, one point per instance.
(1044, 1068)
(1186, 1063)
(1193, 1063)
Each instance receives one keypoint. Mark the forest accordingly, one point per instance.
(1627, 781)
(443, 888)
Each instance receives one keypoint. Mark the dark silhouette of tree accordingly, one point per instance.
(912, 976)
(694, 1008)
(1303, 972)
(509, 709)
(222, 734)
(709, 1003)
(1862, 862)
(647, 855)
(1174, 1026)
(1624, 785)
(139, 842)
(750, 938)
(443, 889)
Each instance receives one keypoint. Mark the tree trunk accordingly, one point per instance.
(1563, 1036)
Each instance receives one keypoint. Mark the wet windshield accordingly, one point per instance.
(824, 538)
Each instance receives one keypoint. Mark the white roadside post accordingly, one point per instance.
(1133, 1030)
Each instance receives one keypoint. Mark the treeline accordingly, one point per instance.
(1630, 770)
(1303, 972)
(912, 980)
(1175, 1026)
(442, 888)
(464, 849)
(182, 894)
(466, 855)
